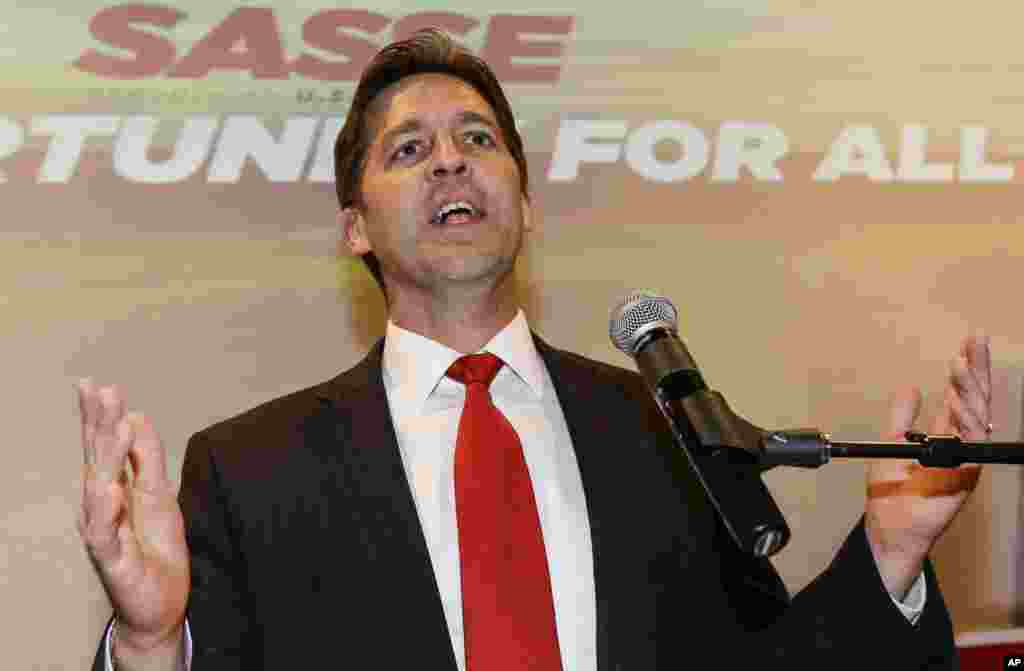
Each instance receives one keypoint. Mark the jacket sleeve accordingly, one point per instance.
(843, 619)
(223, 636)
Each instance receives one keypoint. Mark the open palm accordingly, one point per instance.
(130, 519)
(910, 505)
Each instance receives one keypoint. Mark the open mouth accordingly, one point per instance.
(457, 212)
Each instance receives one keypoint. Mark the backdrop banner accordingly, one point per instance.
(827, 191)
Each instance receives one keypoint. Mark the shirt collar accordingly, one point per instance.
(414, 364)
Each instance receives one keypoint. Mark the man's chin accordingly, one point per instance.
(471, 270)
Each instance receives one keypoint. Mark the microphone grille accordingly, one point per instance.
(638, 313)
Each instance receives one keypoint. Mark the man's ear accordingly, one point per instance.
(529, 218)
(353, 229)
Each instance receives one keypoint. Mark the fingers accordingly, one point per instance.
(104, 498)
(107, 439)
(968, 396)
(89, 412)
(977, 351)
(903, 412)
(964, 419)
(108, 442)
(147, 453)
(964, 385)
(973, 383)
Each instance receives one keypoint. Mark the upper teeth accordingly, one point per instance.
(451, 207)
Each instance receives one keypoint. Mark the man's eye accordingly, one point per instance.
(406, 150)
(480, 138)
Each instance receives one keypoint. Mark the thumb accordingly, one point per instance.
(903, 411)
(904, 406)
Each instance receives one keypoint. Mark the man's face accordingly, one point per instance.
(440, 192)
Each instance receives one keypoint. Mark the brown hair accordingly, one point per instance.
(427, 50)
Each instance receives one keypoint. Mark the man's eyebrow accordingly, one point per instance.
(476, 117)
(407, 126)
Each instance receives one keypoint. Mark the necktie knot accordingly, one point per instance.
(475, 369)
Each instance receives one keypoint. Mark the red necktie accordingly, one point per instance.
(507, 609)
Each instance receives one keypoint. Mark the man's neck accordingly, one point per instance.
(463, 323)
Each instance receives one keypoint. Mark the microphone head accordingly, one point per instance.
(636, 315)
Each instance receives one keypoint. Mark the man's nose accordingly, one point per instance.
(448, 160)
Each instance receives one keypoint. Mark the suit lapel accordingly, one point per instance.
(361, 425)
(588, 427)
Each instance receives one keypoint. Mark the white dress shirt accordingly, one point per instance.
(425, 408)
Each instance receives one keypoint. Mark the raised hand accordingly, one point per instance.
(909, 505)
(133, 529)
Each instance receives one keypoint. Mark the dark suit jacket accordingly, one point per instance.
(307, 551)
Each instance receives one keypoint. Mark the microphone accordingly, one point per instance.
(722, 448)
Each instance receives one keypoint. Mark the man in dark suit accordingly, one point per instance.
(325, 527)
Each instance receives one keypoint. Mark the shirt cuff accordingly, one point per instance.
(109, 638)
(912, 604)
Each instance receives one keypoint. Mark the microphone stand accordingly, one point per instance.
(728, 453)
(810, 448)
